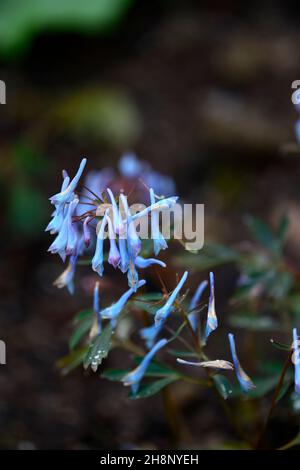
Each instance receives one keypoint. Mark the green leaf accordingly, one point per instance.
(80, 331)
(152, 388)
(99, 348)
(282, 228)
(294, 442)
(115, 375)
(253, 322)
(82, 315)
(72, 360)
(278, 345)
(210, 256)
(176, 353)
(262, 233)
(223, 385)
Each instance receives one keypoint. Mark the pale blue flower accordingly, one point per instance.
(134, 377)
(68, 193)
(87, 231)
(163, 313)
(115, 309)
(296, 360)
(114, 257)
(194, 316)
(96, 306)
(245, 381)
(142, 263)
(150, 333)
(162, 204)
(297, 130)
(66, 279)
(212, 321)
(60, 209)
(97, 261)
(130, 166)
(124, 263)
(118, 224)
(133, 241)
(159, 242)
(66, 241)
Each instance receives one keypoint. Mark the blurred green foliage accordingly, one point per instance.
(21, 20)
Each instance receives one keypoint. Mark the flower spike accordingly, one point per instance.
(245, 381)
(212, 321)
(66, 195)
(194, 316)
(134, 377)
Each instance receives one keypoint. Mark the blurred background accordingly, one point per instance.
(203, 93)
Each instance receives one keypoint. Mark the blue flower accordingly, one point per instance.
(163, 313)
(97, 261)
(296, 360)
(158, 240)
(133, 240)
(60, 210)
(142, 263)
(114, 257)
(130, 166)
(115, 309)
(124, 263)
(194, 316)
(96, 306)
(86, 231)
(297, 130)
(245, 381)
(66, 279)
(134, 377)
(67, 194)
(118, 224)
(162, 204)
(66, 241)
(212, 321)
(150, 333)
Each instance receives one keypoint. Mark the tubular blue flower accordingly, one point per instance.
(245, 381)
(113, 312)
(133, 240)
(159, 242)
(114, 257)
(124, 263)
(58, 214)
(66, 241)
(212, 321)
(97, 261)
(142, 263)
(67, 194)
(194, 316)
(297, 130)
(117, 220)
(163, 313)
(162, 204)
(132, 275)
(86, 231)
(66, 279)
(296, 360)
(96, 306)
(134, 377)
(149, 334)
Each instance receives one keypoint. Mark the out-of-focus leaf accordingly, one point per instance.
(106, 114)
(294, 442)
(263, 385)
(282, 228)
(82, 315)
(223, 385)
(20, 21)
(262, 233)
(27, 211)
(175, 353)
(83, 327)
(210, 256)
(99, 348)
(293, 302)
(253, 322)
(278, 345)
(152, 388)
(72, 360)
(115, 375)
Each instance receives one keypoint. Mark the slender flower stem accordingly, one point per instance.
(259, 444)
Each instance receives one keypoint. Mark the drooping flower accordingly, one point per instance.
(66, 241)
(212, 321)
(245, 381)
(162, 314)
(158, 240)
(132, 275)
(194, 316)
(58, 214)
(142, 263)
(66, 279)
(134, 377)
(150, 333)
(115, 309)
(133, 241)
(118, 224)
(67, 194)
(130, 166)
(114, 257)
(97, 321)
(87, 231)
(97, 261)
(216, 364)
(296, 360)
(124, 263)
